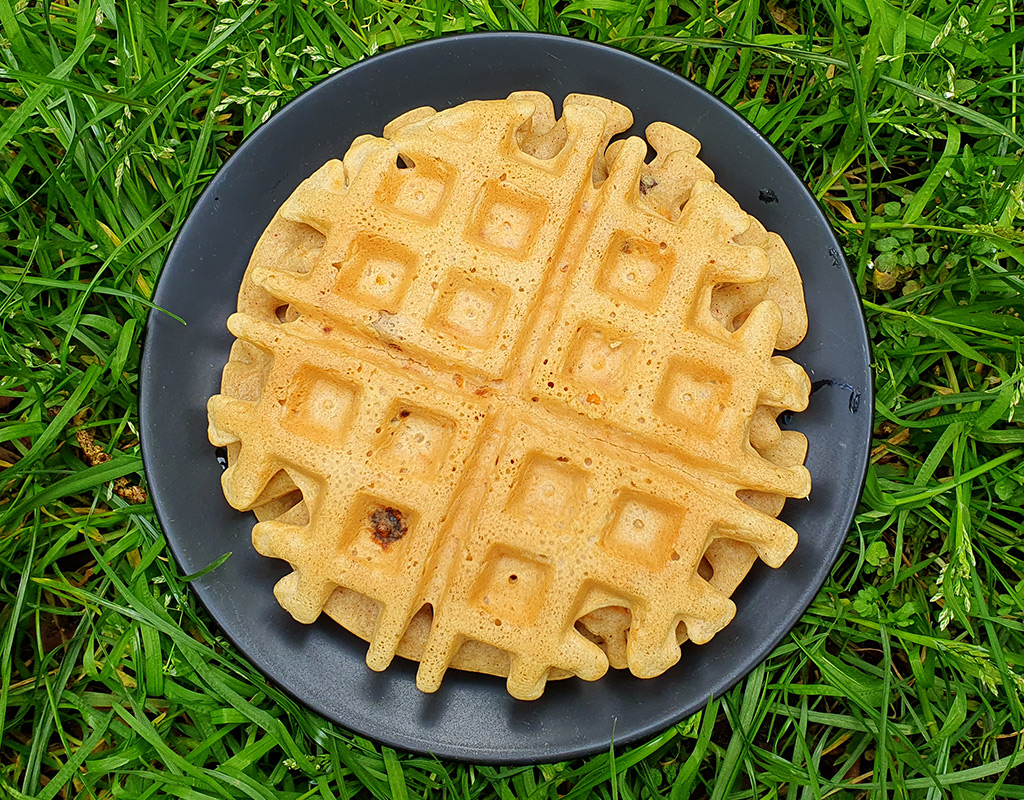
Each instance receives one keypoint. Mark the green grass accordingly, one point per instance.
(904, 678)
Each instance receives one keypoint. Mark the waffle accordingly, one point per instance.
(504, 394)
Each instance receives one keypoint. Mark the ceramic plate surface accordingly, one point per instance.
(472, 717)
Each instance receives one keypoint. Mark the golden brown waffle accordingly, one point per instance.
(504, 395)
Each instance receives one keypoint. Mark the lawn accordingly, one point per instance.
(904, 679)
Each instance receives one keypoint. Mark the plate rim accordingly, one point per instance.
(457, 753)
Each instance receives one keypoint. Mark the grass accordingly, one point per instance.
(904, 679)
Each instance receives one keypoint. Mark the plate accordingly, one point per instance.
(472, 717)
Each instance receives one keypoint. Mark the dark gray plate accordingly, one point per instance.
(472, 717)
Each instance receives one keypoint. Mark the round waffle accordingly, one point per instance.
(504, 394)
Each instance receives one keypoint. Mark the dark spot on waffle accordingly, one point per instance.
(647, 183)
(328, 329)
(403, 413)
(387, 526)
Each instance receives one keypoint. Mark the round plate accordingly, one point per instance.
(472, 717)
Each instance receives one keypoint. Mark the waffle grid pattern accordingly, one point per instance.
(452, 347)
